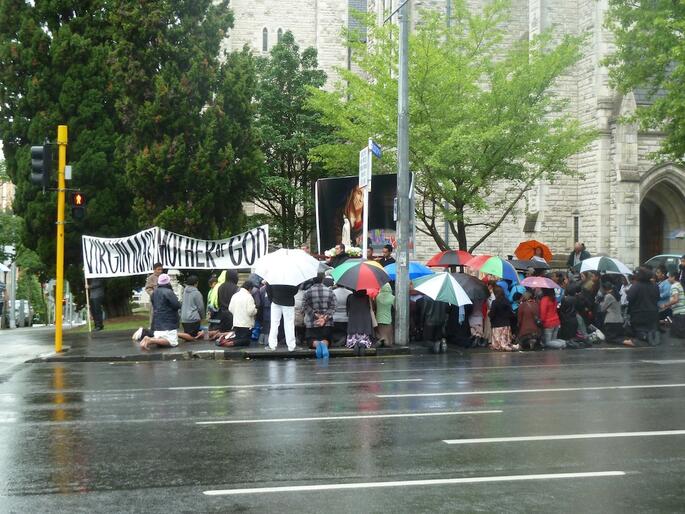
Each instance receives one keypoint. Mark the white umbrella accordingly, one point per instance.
(442, 287)
(603, 265)
(287, 267)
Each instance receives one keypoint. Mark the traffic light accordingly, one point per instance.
(78, 205)
(41, 165)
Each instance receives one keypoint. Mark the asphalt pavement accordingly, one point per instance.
(597, 430)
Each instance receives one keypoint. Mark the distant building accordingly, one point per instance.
(6, 195)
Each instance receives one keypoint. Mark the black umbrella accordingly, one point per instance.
(475, 289)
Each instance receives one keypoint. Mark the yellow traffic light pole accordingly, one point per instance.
(61, 187)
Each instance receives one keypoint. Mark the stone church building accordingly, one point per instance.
(620, 203)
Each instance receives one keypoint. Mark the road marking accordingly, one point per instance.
(518, 391)
(604, 435)
(666, 361)
(464, 368)
(360, 416)
(294, 384)
(407, 483)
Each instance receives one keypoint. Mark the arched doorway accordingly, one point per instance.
(662, 216)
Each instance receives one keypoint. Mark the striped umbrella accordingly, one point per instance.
(416, 270)
(363, 275)
(442, 287)
(494, 266)
(350, 263)
(449, 258)
(603, 265)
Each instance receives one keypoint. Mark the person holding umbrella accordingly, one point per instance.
(643, 310)
(360, 327)
(500, 320)
(549, 316)
(528, 317)
(384, 303)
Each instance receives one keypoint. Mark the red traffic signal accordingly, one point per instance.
(78, 199)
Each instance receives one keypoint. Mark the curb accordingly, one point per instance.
(246, 354)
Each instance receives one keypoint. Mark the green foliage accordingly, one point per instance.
(650, 54)
(289, 130)
(28, 288)
(186, 142)
(482, 114)
(11, 227)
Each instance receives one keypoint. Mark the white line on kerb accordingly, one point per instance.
(360, 416)
(294, 384)
(517, 391)
(407, 483)
(604, 435)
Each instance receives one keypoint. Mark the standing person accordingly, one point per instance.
(150, 286)
(384, 304)
(528, 316)
(549, 316)
(681, 271)
(340, 315)
(243, 311)
(282, 306)
(264, 315)
(664, 292)
(300, 329)
(677, 306)
(360, 323)
(165, 307)
(340, 255)
(192, 310)
(613, 319)
(500, 320)
(643, 297)
(434, 317)
(578, 255)
(96, 291)
(319, 308)
(386, 256)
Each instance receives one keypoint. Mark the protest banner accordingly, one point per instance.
(137, 254)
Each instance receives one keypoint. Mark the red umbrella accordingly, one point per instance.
(539, 282)
(450, 258)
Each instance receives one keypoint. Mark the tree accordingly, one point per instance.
(186, 142)
(54, 70)
(485, 123)
(650, 54)
(289, 130)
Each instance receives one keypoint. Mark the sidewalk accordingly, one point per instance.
(118, 346)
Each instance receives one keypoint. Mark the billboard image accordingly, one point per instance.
(340, 209)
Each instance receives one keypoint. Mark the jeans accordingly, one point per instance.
(548, 334)
(96, 311)
(288, 314)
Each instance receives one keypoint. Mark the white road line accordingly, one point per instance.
(408, 483)
(464, 368)
(294, 384)
(519, 391)
(605, 435)
(360, 416)
(666, 361)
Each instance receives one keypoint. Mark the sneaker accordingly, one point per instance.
(292, 349)
(324, 351)
(600, 335)
(138, 334)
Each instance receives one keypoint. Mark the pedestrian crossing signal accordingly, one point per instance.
(78, 205)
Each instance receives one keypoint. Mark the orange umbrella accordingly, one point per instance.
(526, 250)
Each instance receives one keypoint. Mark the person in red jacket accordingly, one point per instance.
(549, 316)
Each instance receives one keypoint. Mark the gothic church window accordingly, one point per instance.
(279, 35)
(265, 39)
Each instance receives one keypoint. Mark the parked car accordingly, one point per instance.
(670, 260)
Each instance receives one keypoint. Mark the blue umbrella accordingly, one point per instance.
(416, 270)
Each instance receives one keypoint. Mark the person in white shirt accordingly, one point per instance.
(244, 310)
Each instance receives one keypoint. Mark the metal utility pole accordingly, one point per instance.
(61, 190)
(403, 201)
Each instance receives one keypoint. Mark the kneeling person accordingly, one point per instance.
(244, 310)
(165, 307)
(192, 309)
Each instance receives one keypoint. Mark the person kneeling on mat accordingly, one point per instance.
(165, 307)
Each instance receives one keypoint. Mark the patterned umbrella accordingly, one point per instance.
(526, 250)
(349, 263)
(603, 265)
(442, 287)
(494, 266)
(363, 275)
(416, 270)
(475, 288)
(449, 258)
(539, 282)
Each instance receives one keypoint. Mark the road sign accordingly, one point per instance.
(375, 149)
(365, 168)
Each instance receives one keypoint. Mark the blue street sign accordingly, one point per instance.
(376, 150)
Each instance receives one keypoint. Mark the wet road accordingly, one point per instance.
(405, 434)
